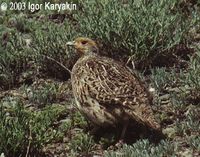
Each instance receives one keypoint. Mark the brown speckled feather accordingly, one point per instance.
(107, 92)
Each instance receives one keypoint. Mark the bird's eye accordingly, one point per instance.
(84, 42)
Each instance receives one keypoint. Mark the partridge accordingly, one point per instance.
(106, 92)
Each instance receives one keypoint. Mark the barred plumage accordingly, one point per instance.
(106, 92)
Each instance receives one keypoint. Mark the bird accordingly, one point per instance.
(106, 92)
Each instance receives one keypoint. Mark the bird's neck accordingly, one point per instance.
(91, 52)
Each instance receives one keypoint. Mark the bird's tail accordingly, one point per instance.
(146, 119)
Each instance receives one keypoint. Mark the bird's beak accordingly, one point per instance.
(70, 43)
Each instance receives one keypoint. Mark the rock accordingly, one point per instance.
(170, 132)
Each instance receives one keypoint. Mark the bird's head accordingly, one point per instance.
(84, 46)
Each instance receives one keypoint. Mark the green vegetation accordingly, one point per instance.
(24, 131)
(37, 115)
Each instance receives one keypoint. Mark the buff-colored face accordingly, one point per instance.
(84, 45)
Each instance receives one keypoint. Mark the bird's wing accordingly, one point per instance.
(109, 81)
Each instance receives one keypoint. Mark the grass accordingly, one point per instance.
(24, 131)
(37, 114)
